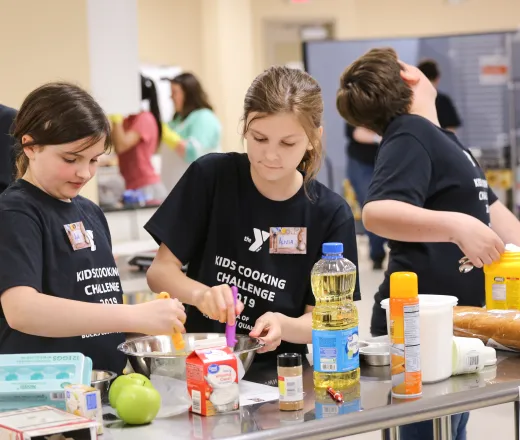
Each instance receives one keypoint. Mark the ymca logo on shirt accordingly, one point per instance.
(260, 238)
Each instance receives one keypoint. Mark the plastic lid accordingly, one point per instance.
(431, 302)
(488, 373)
(332, 248)
(404, 285)
(489, 355)
(289, 360)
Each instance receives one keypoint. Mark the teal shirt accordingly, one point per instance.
(202, 131)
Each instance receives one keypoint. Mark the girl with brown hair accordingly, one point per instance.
(221, 216)
(59, 284)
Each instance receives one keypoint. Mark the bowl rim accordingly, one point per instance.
(123, 347)
(108, 379)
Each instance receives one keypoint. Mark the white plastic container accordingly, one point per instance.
(436, 321)
(470, 355)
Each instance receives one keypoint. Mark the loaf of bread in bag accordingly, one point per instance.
(503, 326)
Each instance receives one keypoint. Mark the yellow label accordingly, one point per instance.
(281, 385)
(513, 293)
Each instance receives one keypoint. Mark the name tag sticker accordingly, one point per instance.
(78, 237)
(287, 240)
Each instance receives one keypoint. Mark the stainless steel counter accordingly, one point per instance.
(369, 407)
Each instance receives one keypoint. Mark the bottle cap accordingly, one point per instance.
(403, 285)
(332, 248)
(489, 356)
(289, 360)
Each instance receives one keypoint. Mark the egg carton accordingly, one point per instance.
(40, 379)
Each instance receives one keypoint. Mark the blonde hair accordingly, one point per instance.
(284, 90)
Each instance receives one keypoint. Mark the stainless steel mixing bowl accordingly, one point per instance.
(157, 355)
(101, 380)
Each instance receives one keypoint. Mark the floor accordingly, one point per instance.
(488, 423)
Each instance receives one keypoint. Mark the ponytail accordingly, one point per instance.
(149, 92)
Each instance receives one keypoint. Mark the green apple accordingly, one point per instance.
(122, 382)
(138, 404)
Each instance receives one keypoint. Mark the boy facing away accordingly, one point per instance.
(428, 195)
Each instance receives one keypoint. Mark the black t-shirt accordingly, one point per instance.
(217, 221)
(7, 115)
(35, 251)
(423, 165)
(446, 112)
(365, 153)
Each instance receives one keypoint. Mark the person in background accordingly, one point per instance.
(136, 139)
(60, 290)
(194, 131)
(7, 169)
(446, 111)
(361, 155)
(428, 194)
(221, 216)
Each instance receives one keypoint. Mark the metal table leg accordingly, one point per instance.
(390, 433)
(517, 420)
(442, 428)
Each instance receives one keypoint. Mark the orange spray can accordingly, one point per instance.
(405, 341)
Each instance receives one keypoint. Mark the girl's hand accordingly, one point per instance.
(159, 317)
(269, 330)
(217, 303)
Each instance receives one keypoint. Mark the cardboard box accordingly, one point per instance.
(212, 377)
(32, 423)
(85, 401)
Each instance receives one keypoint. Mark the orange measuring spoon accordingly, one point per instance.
(178, 340)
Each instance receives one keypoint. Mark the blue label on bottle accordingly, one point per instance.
(324, 410)
(335, 351)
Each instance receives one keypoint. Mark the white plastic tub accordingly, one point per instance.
(436, 323)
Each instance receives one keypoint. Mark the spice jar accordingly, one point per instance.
(290, 381)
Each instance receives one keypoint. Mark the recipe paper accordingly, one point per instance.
(252, 393)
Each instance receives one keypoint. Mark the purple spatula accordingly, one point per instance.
(231, 329)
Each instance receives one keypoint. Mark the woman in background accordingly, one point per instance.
(193, 132)
(135, 140)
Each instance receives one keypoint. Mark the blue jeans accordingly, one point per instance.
(360, 175)
(424, 430)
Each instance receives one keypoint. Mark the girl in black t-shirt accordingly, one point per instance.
(59, 284)
(231, 217)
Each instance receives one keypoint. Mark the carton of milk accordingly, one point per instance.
(212, 377)
(85, 401)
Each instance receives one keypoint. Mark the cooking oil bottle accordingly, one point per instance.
(334, 320)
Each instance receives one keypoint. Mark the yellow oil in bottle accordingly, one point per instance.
(335, 321)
